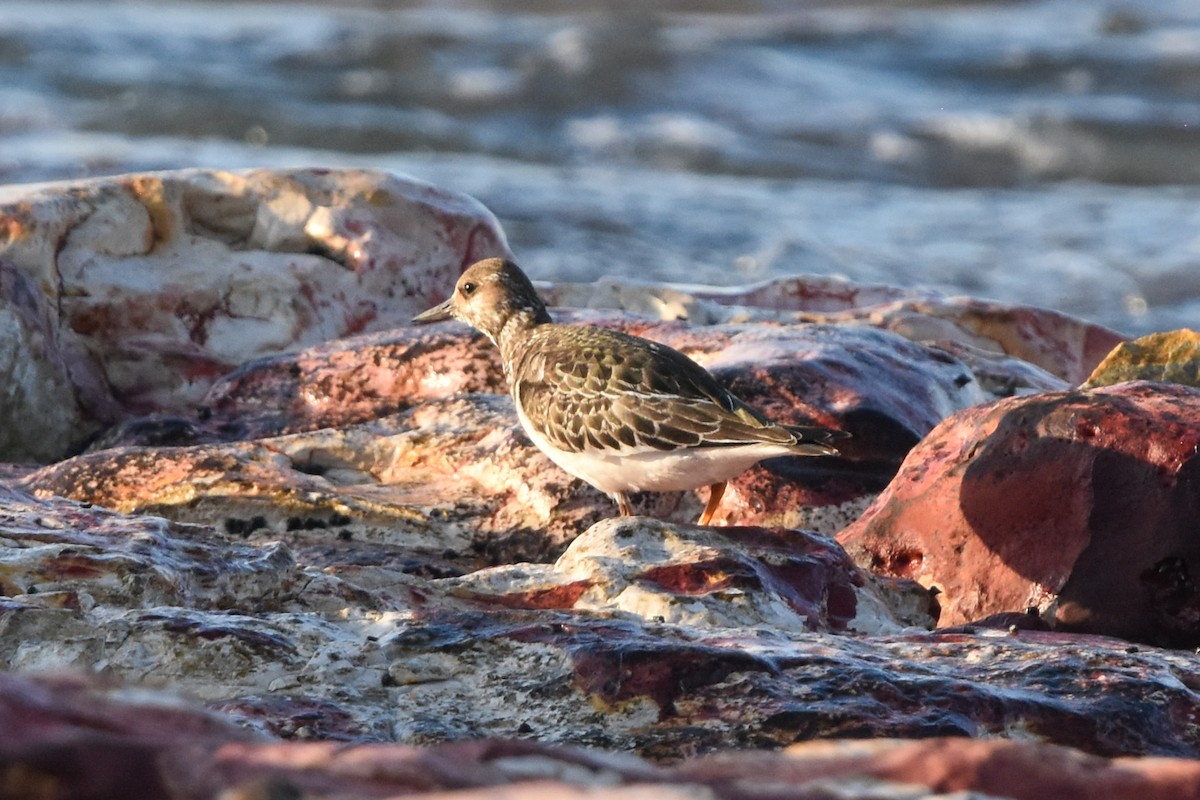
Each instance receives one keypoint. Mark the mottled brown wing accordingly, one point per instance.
(594, 389)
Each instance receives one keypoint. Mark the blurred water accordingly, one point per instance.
(1043, 151)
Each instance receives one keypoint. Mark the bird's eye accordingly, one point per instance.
(468, 289)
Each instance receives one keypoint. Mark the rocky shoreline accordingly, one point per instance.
(234, 474)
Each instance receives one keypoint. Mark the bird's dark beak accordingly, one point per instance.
(436, 314)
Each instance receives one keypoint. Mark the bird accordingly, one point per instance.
(621, 412)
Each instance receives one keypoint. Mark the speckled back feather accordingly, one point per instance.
(588, 388)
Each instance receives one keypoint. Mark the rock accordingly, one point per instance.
(947, 767)
(59, 554)
(133, 294)
(663, 640)
(665, 690)
(885, 390)
(1061, 345)
(1170, 357)
(1065, 347)
(1081, 504)
(776, 579)
(74, 737)
(71, 736)
(353, 541)
(450, 475)
(807, 373)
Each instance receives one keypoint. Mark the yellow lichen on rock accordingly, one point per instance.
(1166, 357)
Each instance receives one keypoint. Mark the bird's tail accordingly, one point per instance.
(815, 441)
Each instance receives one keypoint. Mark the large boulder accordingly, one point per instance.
(1080, 504)
(133, 294)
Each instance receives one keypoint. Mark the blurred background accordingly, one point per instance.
(1038, 151)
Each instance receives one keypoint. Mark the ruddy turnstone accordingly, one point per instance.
(623, 413)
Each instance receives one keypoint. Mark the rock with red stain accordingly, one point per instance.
(133, 294)
(666, 690)
(76, 736)
(706, 578)
(885, 389)
(1081, 504)
(348, 381)
(61, 554)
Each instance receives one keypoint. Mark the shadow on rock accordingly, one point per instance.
(1080, 504)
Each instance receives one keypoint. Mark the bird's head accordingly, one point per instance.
(492, 295)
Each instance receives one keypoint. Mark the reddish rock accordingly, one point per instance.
(1017, 770)
(58, 706)
(1064, 346)
(347, 381)
(77, 739)
(1082, 504)
(884, 389)
(669, 691)
(82, 555)
(452, 476)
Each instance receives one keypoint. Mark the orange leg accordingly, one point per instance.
(623, 504)
(715, 492)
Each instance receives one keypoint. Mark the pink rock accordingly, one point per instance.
(51, 707)
(1081, 504)
(350, 380)
(890, 390)
(70, 736)
(133, 294)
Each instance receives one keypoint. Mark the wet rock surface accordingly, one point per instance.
(352, 540)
